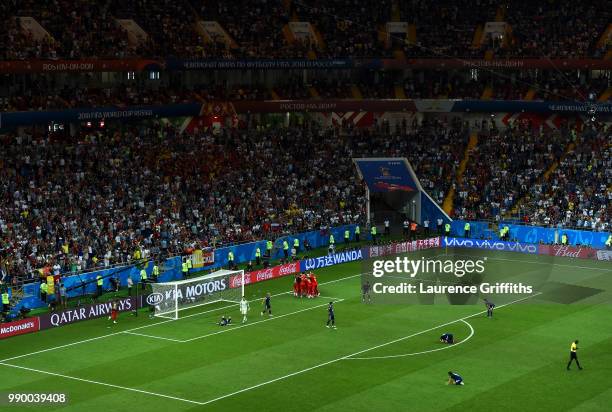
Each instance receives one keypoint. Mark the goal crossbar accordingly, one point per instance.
(169, 298)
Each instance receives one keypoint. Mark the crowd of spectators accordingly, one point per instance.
(577, 194)
(503, 166)
(349, 28)
(343, 28)
(88, 201)
(448, 28)
(74, 203)
(563, 29)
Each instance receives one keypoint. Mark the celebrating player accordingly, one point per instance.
(267, 305)
(314, 285)
(331, 318)
(244, 308)
(447, 338)
(296, 285)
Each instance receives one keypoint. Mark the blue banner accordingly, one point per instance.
(533, 234)
(386, 175)
(329, 260)
(491, 245)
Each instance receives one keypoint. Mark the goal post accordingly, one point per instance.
(169, 298)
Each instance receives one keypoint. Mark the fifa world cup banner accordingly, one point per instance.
(96, 310)
(403, 247)
(386, 174)
(19, 327)
(265, 274)
(575, 252)
(491, 245)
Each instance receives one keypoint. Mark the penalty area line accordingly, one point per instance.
(149, 325)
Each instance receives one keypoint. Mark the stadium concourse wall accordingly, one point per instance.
(532, 234)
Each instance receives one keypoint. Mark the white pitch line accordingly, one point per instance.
(423, 352)
(161, 395)
(244, 325)
(153, 336)
(150, 325)
(354, 354)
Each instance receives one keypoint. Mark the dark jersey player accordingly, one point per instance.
(331, 318)
(454, 379)
(267, 305)
(490, 306)
(447, 338)
(365, 290)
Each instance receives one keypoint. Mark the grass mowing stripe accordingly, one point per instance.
(320, 365)
(161, 395)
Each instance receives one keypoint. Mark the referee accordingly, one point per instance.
(574, 355)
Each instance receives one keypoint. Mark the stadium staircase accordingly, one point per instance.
(530, 94)
(603, 40)
(30, 26)
(288, 34)
(487, 93)
(605, 95)
(356, 92)
(136, 34)
(478, 37)
(399, 91)
(447, 205)
(412, 34)
(314, 93)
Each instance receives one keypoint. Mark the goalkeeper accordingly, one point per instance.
(244, 308)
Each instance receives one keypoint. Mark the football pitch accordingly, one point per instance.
(382, 357)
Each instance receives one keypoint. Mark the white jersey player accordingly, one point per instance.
(244, 308)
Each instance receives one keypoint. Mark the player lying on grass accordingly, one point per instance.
(225, 321)
(305, 285)
(447, 338)
(454, 379)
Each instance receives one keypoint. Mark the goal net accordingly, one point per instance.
(169, 298)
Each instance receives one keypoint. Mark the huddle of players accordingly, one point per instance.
(305, 285)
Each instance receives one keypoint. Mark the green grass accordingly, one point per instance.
(515, 361)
